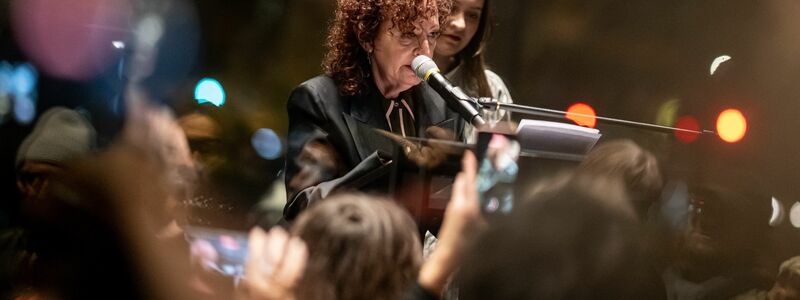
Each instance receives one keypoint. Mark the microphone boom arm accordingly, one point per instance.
(494, 105)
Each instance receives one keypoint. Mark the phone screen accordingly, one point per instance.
(497, 171)
(229, 248)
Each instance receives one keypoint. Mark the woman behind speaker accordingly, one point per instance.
(460, 54)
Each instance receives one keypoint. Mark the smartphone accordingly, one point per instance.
(224, 250)
(498, 155)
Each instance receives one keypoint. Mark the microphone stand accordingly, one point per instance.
(494, 105)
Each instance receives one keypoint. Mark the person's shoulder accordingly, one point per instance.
(492, 76)
(320, 81)
(498, 86)
(317, 90)
(322, 84)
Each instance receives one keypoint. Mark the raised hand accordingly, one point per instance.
(461, 225)
(275, 262)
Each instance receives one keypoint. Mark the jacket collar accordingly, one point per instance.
(366, 113)
(367, 107)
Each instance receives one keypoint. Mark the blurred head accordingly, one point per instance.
(360, 247)
(96, 233)
(637, 167)
(609, 190)
(204, 136)
(787, 285)
(724, 229)
(379, 39)
(60, 135)
(568, 243)
(231, 176)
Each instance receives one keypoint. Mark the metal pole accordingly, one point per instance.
(545, 112)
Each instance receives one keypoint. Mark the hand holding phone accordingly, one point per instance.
(461, 225)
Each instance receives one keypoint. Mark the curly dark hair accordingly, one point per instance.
(357, 21)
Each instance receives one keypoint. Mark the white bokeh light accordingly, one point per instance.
(794, 215)
(777, 213)
(718, 61)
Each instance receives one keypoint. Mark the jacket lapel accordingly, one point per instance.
(364, 116)
(436, 110)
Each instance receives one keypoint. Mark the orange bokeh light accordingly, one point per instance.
(689, 123)
(582, 114)
(731, 125)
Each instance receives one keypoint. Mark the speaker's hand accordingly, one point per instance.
(425, 156)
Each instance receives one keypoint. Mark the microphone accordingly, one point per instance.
(455, 98)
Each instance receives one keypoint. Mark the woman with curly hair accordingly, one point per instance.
(368, 84)
(460, 54)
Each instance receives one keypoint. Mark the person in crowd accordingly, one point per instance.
(355, 246)
(368, 84)
(716, 252)
(641, 176)
(461, 225)
(460, 53)
(360, 247)
(153, 130)
(103, 228)
(60, 136)
(206, 207)
(567, 243)
(637, 167)
(204, 135)
(231, 175)
(787, 286)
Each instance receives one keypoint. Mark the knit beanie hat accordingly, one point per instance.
(60, 135)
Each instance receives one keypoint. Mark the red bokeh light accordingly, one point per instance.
(688, 123)
(582, 114)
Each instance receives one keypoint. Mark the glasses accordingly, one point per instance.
(410, 38)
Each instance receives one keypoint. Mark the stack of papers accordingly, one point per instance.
(537, 135)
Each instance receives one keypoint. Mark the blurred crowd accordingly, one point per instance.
(119, 222)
